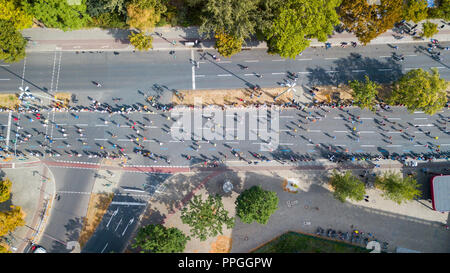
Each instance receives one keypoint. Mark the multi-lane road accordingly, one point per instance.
(129, 75)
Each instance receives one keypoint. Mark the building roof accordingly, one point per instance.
(440, 192)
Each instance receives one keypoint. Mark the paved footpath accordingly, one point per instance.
(163, 37)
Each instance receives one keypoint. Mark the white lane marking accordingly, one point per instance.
(59, 138)
(445, 144)
(367, 145)
(331, 58)
(128, 203)
(314, 131)
(193, 70)
(438, 67)
(360, 70)
(331, 71)
(249, 74)
(112, 216)
(366, 118)
(224, 75)
(4, 64)
(125, 140)
(9, 130)
(104, 247)
(410, 68)
(412, 55)
(4, 79)
(279, 60)
(199, 76)
(120, 222)
(394, 145)
(394, 118)
(129, 223)
(81, 124)
(424, 125)
(341, 145)
(338, 118)
(100, 139)
(134, 190)
(384, 69)
(340, 131)
(53, 72)
(384, 56)
(101, 125)
(251, 61)
(224, 62)
(304, 59)
(303, 72)
(23, 73)
(286, 117)
(59, 69)
(392, 132)
(286, 143)
(366, 132)
(418, 112)
(278, 73)
(420, 118)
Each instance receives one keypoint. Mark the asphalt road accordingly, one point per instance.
(124, 74)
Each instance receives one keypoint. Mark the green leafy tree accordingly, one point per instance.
(415, 10)
(97, 7)
(420, 90)
(12, 43)
(10, 10)
(429, 29)
(347, 186)
(58, 14)
(206, 218)
(256, 204)
(297, 21)
(159, 239)
(441, 10)
(233, 17)
(364, 93)
(4, 248)
(5, 190)
(141, 41)
(367, 21)
(227, 45)
(10, 220)
(398, 189)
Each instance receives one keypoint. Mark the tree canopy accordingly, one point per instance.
(398, 189)
(206, 218)
(144, 14)
(5, 190)
(10, 10)
(364, 93)
(256, 204)
(347, 186)
(420, 90)
(12, 43)
(296, 21)
(415, 10)
(232, 17)
(367, 21)
(429, 29)
(141, 41)
(58, 14)
(10, 220)
(159, 239)
(227, 45)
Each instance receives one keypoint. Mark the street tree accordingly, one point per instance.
(206, 218)
(420, 90)
(141, 41)
(159, 239)
(367, 20)
(11, 10)
(256, 204)
(227, 45)
(12, 43)
(5, 190)
(97, 7)
(429, 29)
(232, 17)
(144, 14)
(347, 186)
(297, 21)
(441, 10)
(58, 14)
(397, 188)
(364, 93)
(415, 10)
(10, 220)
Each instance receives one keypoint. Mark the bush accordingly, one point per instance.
(429, 29)
(109, 20)
(347, 186)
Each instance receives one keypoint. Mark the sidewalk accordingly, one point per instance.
(117, 39)
(33, 189)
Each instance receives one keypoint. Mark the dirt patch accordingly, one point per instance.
(63, 99)
(236, 97)
(9, 101)
(221, 245)
(98, 204)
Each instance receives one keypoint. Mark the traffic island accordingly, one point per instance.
(233, 97)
